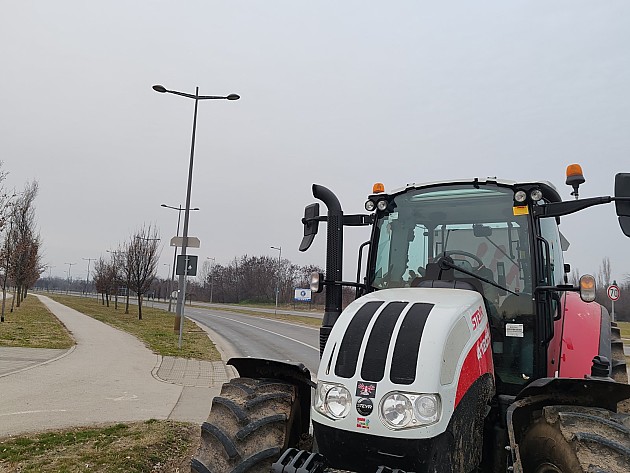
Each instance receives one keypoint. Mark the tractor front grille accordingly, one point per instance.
(379, 342)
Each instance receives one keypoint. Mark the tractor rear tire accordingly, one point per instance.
(574, 439)
(250, 424)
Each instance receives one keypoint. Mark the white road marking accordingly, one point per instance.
(32, 412)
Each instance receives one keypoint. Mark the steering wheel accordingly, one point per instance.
(472, 256)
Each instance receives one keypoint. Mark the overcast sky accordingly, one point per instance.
(339, 93)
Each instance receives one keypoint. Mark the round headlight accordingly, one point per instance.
(396, 410)
(520, 196)
(338, 401)
(370, 205)
(427, 409)
(536, 195)
(381, 205)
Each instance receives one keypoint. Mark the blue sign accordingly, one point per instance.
(303, 295)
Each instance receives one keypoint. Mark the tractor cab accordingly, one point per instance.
(471, 235)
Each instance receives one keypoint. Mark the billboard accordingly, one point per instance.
(302, 295)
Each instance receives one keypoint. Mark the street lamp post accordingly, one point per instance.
(170, 287)
(87, 278)
(70, 265)
(182, 277)
(211, 277)
(277, 275)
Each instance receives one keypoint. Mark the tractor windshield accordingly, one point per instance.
(477, 228)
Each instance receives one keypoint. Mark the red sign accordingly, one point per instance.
(613, 292)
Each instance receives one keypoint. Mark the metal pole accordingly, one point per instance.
(182, 277)
(211, 277)
(87, 278)
(170, 299)
(181, 326)
(277, 276)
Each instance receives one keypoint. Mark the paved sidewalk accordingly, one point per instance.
(109, 376)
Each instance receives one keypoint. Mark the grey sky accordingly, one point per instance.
(343, 94)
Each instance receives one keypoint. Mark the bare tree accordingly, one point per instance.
(142, 259)
(23, 244)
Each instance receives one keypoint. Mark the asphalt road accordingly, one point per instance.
(245, 335)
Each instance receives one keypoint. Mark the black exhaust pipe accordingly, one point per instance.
(334, 259)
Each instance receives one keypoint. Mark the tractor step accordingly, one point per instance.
(302, 461)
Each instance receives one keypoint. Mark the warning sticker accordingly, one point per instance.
(514, 330)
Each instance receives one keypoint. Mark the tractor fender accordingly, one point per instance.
(585, 335)
(588, 392)
(296, 373)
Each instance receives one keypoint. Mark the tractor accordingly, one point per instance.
(465, 350)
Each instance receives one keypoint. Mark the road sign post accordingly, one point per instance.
(613, 294)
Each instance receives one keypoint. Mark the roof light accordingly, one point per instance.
(574, 170)
(575, 178)
(520, 196)
(370, 205)
(536, 195)
(381, 205)
(587, 288)
(378, 188)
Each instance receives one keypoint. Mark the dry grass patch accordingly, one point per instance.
(625, 329)
(155, 329)
(151, 446)
(32, 325)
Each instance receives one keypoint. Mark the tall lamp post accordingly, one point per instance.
(87, 278)
(182, 277)
(170, 286)
(211, 276)
(70, 265)
(277, 275)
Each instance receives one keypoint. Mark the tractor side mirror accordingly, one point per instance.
(622, 189)
(311, 225)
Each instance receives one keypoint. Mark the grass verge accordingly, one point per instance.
(625, 329)
(32, 325)
(151, 446)
(155, 329)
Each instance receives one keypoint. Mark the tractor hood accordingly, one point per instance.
(409, 340)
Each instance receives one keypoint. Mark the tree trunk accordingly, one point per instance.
(139, 307)
(127, 303)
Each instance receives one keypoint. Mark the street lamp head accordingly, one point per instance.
(159, 88)
(229, 97)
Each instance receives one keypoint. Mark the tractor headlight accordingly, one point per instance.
(408, 410)
(427, 409)
(396, 410)
(382, 205)
(333, 400)
(370, 205)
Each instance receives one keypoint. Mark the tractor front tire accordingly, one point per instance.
(574, 439)
(250, 424)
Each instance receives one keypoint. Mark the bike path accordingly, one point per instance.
(108, 376)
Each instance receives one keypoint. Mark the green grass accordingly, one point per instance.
(151, 446)
(625, 329)
(155, 329)
(33, 326)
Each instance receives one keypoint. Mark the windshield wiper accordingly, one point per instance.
(445, 262)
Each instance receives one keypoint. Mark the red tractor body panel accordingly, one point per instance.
(580, 329)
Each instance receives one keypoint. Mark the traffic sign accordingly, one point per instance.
(186, 265)
(302, 295)
(193, 242)
(613, 292)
